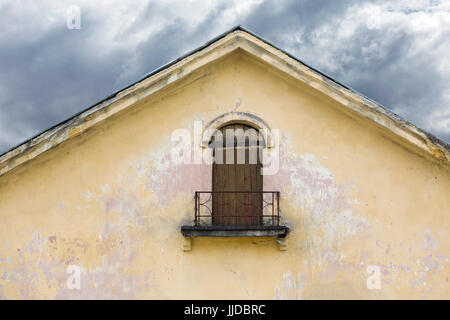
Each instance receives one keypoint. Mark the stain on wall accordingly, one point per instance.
(111, 202)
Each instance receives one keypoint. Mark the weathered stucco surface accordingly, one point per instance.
(110, 201)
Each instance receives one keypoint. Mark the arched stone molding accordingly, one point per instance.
(237, 117)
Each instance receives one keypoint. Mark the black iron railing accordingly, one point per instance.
(237, 208)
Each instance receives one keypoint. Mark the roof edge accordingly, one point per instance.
(10, 156)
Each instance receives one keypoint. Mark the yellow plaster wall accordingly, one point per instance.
(110, 201)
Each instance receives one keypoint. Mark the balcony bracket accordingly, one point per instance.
(187, 243)
(282, 243)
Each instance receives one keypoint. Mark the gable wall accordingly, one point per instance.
(110, 201)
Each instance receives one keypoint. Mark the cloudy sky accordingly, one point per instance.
(395, 52)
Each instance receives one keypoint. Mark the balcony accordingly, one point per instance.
(236, 214)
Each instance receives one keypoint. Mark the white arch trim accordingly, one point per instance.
(237, 117)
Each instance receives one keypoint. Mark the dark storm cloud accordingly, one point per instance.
(174, 40)
(50, 78)
(392, 80)
(49, 74)
(271, 19)
(63, 71)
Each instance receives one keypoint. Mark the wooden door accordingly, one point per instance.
(242, 174)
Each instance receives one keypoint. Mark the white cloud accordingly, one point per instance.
(333, 48)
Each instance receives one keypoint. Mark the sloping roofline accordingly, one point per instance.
(237, 37)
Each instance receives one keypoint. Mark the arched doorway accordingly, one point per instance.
(237, 183)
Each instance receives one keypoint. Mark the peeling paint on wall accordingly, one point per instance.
(111, 203)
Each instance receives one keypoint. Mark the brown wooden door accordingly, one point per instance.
(243, 174)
